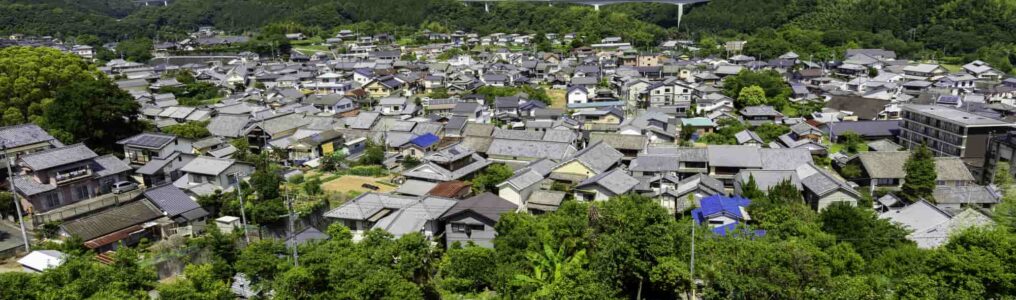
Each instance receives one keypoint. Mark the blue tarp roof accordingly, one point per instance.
(717, 204)
(425, 140)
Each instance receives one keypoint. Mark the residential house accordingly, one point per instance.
(393, 106)
(185, 216)
(142, 148)
(204, 175)
(525, 182)
(588, 162)
(419, 146)
(930, 226)
(57, 177)
(472, 220)
(723, 214)
(452, 163)
(761, 114)
(109, 229)
(398, 215)
(605, 185)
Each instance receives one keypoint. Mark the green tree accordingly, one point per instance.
(139, 50)
(198, 282)
(93, 111)
(190, 130)
(373, 155)
(919, 183)
(751, 96)
(488, 179)
(852, 141)
(862, 228)
(13, 116)
(785, 192)
(66, 96)
(468, 270)
(751, 190)
(1005, 211)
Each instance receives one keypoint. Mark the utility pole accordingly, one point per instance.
(292, 232)
(243, 216)
(14, 196)
(692, 264)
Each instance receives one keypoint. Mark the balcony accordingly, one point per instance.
(72, 175)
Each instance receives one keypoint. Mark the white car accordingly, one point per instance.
(124, 186)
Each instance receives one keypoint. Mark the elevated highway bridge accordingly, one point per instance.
(597, 3)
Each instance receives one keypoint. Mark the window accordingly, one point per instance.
(466, 228)
(52, 200)
(81, 192)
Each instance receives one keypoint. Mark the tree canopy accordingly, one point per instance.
(66, 96)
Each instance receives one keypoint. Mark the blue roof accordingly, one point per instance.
(719, 204)
(425, 140)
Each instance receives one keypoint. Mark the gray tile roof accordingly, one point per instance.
(598, 157)
(28, 186)
(530, 149)
(398, 215)
(616, 181)
(528, 135)
(228, 125)
(783, 159)
(654, 163)
(171, 200)
(25, 134)
(620, 141)
(970, 194)
(952, 169)
(478, 129)
(887, 164)
(108, 165)
(208, 165)
(821, 182)
(112, 220)
(55, 157)
(734, 156)
(487, 205)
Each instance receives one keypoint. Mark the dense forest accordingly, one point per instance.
(943, 29)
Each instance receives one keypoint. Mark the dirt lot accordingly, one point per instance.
(10, 265)
(348, 183)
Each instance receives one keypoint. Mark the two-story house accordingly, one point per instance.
(56, 177)
(205, 174)
(145, 147)
(472, 220)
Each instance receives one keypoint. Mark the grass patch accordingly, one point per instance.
(557, 98)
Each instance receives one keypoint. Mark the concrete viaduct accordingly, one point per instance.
(597, 3)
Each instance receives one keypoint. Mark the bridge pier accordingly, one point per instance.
(486, 7)
(680, 12)
(596, 7)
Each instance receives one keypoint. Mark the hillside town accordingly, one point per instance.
(445, 138)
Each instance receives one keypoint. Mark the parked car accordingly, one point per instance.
(124, 186)
(370, 186)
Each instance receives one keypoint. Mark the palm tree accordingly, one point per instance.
(549, 267)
